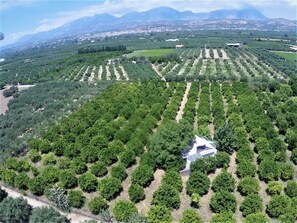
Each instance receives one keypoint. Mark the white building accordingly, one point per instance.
(200, 148)
(233, 44)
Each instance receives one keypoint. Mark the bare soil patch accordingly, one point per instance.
(100, 71)
(117, 74)
(180, 113)
(145, 205)
(207, 54)
(182, 70)
(108, 74)
(83, 77)
(158, 72)
(215, 54)
(224, 55)
(124, 72)
(91, 78)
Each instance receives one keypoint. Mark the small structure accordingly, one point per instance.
(179, 46)
(172, 40)
(200, 148)
(233, 44)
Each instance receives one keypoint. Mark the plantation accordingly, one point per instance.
(116, 153)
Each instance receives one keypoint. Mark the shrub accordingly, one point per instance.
(76, 198)
(15, 210)
(88, 182)
(34, 156)
(287, 171)
(190, 216)
(269, 170)
(119, 172)
(110, 187)
(58, 198)
(49, 159)
(167, 196)
(251, 204)
(246, 168)
(78, 165)
(3, 194)
(274, 187)
(225, 217)
(291, 189)
(159, 214)
(143, 175)
(278, 205)
(248, 185)
(173, 178)
(223, 181)
(223, 201)
(198, 183)
(128, 157)
(67, 179)
(294, 156)
(136, 193)
(195, 200)
(226, 138)
(97, 204)
(255, 218)
(123, 210)
(37, 185)
(21, 181)
(46, 215)
(99, 169)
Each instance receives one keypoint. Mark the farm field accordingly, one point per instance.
(288, 55)
(150, 53)
(101, 135)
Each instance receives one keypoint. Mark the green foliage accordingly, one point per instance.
(278, 205)
(269, 170)
(97, 204)
(119, 172)
(159, 214)
(123, 210)
(99, 169)
(88, 182)
(15, 210)
(291, 189)
(287, 171)
(167, 196)
(223, 181)
(251, 204)
(255, 218)
(37, 185)
(225, 137)
(223, 201)
(128, 157)
(48, 159)
(225, 217)
(76, 198)
(142, 175)
(248, 185)
(58, 198)
(294, 156)
(195, 199)
(274, 187)
(34, 156)
(47, 215)
(136, 193)
(198, 183)
(21, 181)
(110, 187)
(173, 179)
(78, 165)
(190, 216)
(68, 179)
(246, 168)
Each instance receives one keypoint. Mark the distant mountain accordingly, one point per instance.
(105, 22)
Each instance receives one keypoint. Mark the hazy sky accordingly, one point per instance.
(23, 17)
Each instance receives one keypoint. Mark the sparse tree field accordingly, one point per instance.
(118, 155)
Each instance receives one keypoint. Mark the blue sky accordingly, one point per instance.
(23, 17)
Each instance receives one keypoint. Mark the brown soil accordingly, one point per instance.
(145, 205)
(224, 55)
(100, 71)
(108, 74)
(180, 113)
(158, 72)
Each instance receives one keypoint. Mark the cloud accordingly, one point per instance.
(8, 4)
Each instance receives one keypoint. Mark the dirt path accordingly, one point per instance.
(239, 198)
(224, 54)
(174, 68)
(4, 101)
(207, 54)
(183, 69)
(196, 109)
(158, 73)
(211, 124)
(185, 201)
(204, 209)
(100, 71)
(180, 113)
(108, 74)
(145, 205)
(117, 74)
(91, 78)
(124, 72)
(83, 77)
(75, 218)
(215, 54)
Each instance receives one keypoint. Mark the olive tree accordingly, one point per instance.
(223, 201)
(190, 216)
(123, 210)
